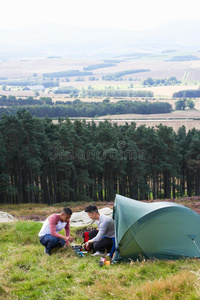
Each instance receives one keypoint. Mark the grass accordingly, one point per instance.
(27, 273)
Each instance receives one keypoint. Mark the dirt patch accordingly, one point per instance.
(32, 218)
(80, 232)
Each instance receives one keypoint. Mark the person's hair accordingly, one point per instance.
(67, 211)
(91, 209)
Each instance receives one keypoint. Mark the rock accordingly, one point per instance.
(6, 217)
(106, 211)
(81, 218)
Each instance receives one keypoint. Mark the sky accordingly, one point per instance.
(125, 15)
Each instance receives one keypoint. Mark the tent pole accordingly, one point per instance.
(196, 245)
(192, 237)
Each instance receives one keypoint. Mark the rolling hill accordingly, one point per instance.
(46, 40)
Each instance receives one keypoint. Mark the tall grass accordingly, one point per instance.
(27, 273)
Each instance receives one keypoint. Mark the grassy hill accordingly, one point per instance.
(27, 273)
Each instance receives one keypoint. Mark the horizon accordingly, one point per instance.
(143, 16)
(29, 26)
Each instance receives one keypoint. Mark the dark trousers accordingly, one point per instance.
(51, 242)
(105, 244)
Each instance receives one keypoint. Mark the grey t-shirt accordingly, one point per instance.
(106, 227)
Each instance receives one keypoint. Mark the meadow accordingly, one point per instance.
(27, 273)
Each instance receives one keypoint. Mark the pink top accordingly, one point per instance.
(53, 221)
(53, 225)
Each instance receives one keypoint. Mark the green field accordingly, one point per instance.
(27, 273)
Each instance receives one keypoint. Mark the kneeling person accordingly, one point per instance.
(49, 236)
(105, 233)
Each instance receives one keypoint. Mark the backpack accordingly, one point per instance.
(86, 238)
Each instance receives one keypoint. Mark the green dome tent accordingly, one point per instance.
(162, 230)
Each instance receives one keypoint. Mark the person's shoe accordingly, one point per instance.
(48, 252)
(98, 253)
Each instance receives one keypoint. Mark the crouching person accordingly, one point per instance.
(49, 236)
(102, 239)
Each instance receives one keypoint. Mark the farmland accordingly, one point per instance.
(186, 71)
(163, 92)
(175, 119)
(156, 65)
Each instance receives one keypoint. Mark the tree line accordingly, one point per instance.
(154, 82)
(67, 90)
(13, 101)
(109, 76)
(25, 83)
(187, 94)
(70, 73)
(98, 66)
(78, 108)
(91, 92)
(42, 162)
(118, 75)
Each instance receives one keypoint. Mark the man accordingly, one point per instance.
(104, 235)
(49, 236)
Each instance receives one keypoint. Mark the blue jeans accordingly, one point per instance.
(51, 242)
(113, 248)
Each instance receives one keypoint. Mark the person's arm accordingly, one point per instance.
(53, 221)
(99, 235)
(102, 230)
(67, 233)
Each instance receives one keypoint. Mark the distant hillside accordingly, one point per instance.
(49, 40)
